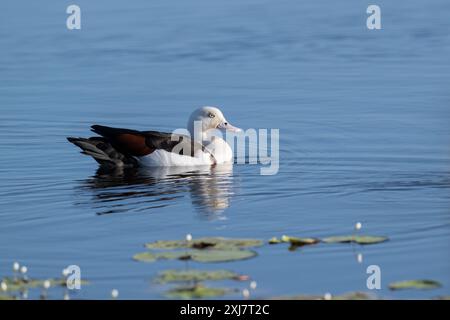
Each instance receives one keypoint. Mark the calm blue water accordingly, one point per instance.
(364, 136)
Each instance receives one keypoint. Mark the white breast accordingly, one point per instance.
(220, 149)
(163, 158)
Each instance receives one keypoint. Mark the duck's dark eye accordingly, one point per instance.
(211, 115)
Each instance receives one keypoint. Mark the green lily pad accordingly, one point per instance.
(299, 241)
(222, 255)
(196, 292)
(356, 239)
(195, 275)
(414, 284)
(168, 255)
(205, 243)
(197, 255)
(21, 284)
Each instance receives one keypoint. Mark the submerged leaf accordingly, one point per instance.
(297, 297)
(196, 255)
(205, 243)
(353, 296)
(356, 239)
(195, 275)
(345, 296)
(196, 292)
(414, 284)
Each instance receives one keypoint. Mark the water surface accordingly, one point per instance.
(364, 136)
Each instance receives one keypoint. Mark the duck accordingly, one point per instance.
(200, 144)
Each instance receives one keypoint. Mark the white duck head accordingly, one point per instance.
(209, 118)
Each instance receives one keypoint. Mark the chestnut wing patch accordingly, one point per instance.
(133, 144)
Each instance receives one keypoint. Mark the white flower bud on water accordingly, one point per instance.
(4, 286)
(327, 296)
(253, 285)
(246, 293)
(66, 296)
(65, 272)
(47, 284)
(189, 237)
(16, 266)
(358, 226)
(114, 293)
(359, 257)
(23, 269)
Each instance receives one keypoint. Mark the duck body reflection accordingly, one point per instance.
(121, 190)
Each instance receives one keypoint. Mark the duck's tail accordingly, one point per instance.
(103, 152)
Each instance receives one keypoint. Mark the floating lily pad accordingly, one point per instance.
(414, 284)
(168, 255)
(196, 292)
(195, 275)
(205, 243)
(197, 255)
(21, 284)
(356, 239)
(299, 241)
(221, 255)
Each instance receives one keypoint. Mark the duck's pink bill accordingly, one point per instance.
(227, 126)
